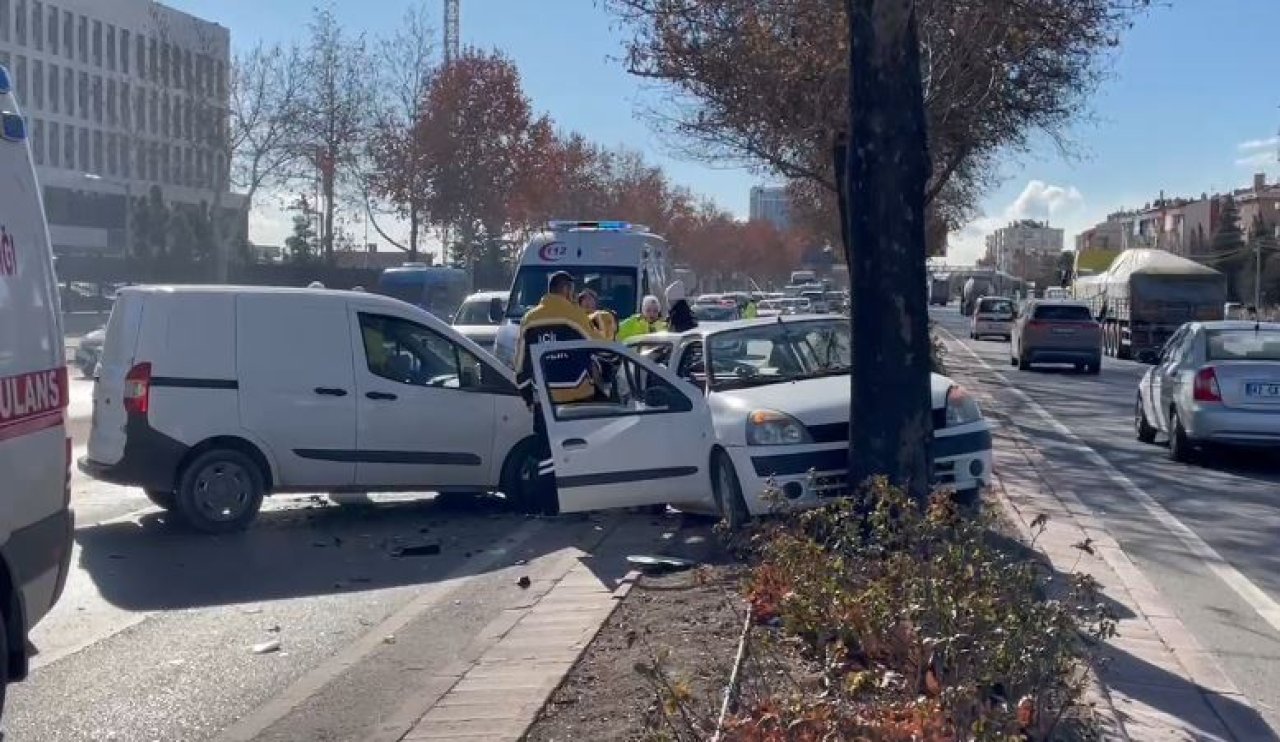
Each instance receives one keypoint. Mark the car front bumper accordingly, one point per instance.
(805, 476)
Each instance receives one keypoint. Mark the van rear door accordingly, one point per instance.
(107, 436)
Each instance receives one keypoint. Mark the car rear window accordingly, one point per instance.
(996, 306)
(1063, 313)
(1244, 345)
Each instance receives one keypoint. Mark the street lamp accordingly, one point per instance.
(128, 206)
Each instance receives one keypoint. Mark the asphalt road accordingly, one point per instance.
(154, 636)
(1232, 505)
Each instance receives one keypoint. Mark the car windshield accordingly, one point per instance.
(474, 312)
(1244, 345)
(777, 352)
(1063, 313)
(715, 313)
(615, 287)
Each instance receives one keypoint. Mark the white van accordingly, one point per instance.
(35, 452)
(210, 398)
(621, 262)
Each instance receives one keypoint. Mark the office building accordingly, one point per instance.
(770, 204)
(120, 96)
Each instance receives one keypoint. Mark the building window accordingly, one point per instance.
(153, 113)
(55, 88)
(4, 20)
(20, 77)
(142, 56)
(85, 161)
(20, 22)
(97, 99)
(164, 115)
(153, 61)
(55, 144)
(113, 160)
(97, 43)
(126, 105)
(69, 146)
(153, 164)
(82, 40)
(52, 26)
(220, 84)
(112, 118)
(111, 48)
(126, 153)
(188, 73)
(124, 51)
(98, 152)
(37, 141)
(83, 95)
(69, 91)
(68, 34)
(37, 24)
(37, 83)
(164, 63)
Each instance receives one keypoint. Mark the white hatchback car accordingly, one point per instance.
(769, 411)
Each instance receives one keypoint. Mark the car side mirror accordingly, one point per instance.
(497, 308)
(658, 397)
(1148, 355)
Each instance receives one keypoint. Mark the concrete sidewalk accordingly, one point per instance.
(1160, 683)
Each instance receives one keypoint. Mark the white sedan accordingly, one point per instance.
(715, 419)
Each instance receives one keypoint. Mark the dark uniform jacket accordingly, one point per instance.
(568, 376)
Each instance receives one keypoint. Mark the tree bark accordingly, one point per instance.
(413, 233)
(885, 173)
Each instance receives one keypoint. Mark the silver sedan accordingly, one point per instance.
(1213, 383)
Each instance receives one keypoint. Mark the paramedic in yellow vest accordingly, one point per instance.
(648, 320)
(602, 320)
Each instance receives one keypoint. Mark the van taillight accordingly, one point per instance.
(137, 389)
(1205, 387)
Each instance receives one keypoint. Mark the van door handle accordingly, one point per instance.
(330, 391)
(574, 443)
(380, 395)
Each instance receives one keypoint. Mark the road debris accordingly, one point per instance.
(267, 647)
(524, 581)
(658, 564)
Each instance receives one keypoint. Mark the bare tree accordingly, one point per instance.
(405, 66)
(333, 114)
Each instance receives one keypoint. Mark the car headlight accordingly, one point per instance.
(962, 408)
(770, 428)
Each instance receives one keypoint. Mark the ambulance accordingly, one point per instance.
(621, 262)
(35, 452)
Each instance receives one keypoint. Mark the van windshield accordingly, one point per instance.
(615, 286)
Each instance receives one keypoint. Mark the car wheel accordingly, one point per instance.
(1023, 364)
(1180, 448)
(520, 478)
(165, 500)
(1146, 433)
(220, 492)
(1094, 368)
(728, 491)
(1079, 367)
(1013, 361)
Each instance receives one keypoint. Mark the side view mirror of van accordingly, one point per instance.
(497, 308)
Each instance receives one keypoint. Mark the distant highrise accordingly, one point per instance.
(771, 204)
(119, 96)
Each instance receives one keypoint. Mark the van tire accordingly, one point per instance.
(234, 469)
(519, 477)
(5, 661)
(162, 499)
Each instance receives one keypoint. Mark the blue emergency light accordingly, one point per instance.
(605, 226)
(14, 126)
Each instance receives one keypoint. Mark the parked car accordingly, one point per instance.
(210, 398)
(1056, 331)
(479, 317)
(715, 312)
(777, 393)
(89, 351)
(1213, 383)
(993, 316)
(35, 448)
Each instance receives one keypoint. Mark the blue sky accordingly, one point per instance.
(1192, 103)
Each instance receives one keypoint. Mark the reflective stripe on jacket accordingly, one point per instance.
(636, 324)
(555, 319)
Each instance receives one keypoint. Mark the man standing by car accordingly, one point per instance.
(557, 318)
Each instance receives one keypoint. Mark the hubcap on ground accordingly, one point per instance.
(223, 491)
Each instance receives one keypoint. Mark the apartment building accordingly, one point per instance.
(771, 204)
(120, 96)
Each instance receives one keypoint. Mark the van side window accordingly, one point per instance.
(407, 353)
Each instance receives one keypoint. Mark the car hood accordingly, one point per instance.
(478, 332)
(811, 401)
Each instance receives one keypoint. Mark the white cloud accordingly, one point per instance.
(1256, 160)
(1255, 144)
(1061, 206)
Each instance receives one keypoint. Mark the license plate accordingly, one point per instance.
(1064, 331)
(1262, 389)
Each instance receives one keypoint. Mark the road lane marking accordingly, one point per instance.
(1257, 599)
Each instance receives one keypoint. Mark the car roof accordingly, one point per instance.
(1238, 324)
(737, 324)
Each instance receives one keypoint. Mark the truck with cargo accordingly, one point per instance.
(1146, 295)
(939, 290)
(974, 289)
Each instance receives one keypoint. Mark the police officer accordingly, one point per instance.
(557, 318)
(648, 320)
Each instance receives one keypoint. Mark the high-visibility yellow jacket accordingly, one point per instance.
(636, 324)
(568, 377)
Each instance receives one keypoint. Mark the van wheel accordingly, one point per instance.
(220, 492)
(4, 658)
(165, 500)
(728, 491)
(520, 478)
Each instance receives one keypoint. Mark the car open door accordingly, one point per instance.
(644, 440)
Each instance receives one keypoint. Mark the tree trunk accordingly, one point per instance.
(885, 173)
(327, 237)
(413, 233)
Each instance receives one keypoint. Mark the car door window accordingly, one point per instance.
(692, 366)
(623, 386)
(408, 353)
(1172, 344)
